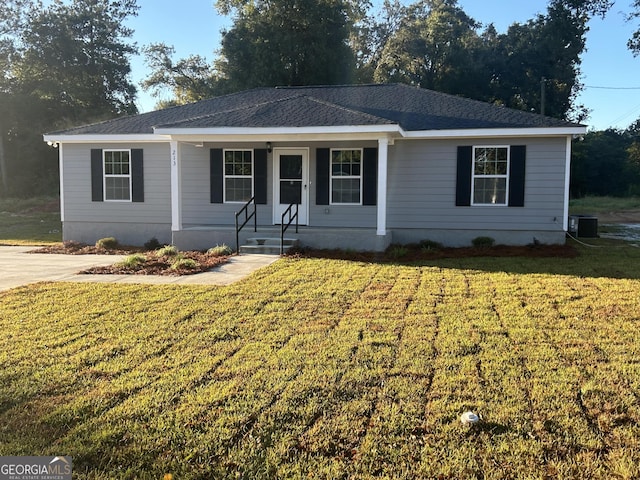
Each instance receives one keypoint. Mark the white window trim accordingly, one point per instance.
(343, 177)
(105, 175)
(474, 176)
(225, 176)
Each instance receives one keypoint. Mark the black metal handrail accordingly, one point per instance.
(290, 219)
(247, 217)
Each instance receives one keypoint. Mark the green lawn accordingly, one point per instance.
(33, 221)
(594, 204)
(333, 369)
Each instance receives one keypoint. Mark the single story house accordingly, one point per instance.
(366, 166)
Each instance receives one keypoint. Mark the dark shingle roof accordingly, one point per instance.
(413, 109)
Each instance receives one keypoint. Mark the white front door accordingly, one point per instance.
(291, 182)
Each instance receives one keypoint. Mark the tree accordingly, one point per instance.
(288, 42)
(546, 49)
(190, 79)
(434, 46)
(77, 55)
(59, 65)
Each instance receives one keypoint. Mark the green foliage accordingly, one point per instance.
(167, 251)
(133, 261)
(152, 244)
(606, 163)
(436, 45)
(108, 243)
(258, 51)
(429, 245)
(334, 369)
(397, 251)
(184, 263)
(190, 79)
(220, 251)
(61, 64)
(483, 242)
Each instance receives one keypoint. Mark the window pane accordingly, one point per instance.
(490, 161)
(491, 191)
(117, 188)
(116, 163)
(345, 190)
(345, 163)
(237, 162)
(291, 167)
(238, 189)
(290, 192)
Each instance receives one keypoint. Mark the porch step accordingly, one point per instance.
(267, 245)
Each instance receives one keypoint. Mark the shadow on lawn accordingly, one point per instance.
(601, 258)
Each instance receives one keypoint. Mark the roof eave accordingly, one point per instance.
(261, 131)
(105, 138)
(497, 132)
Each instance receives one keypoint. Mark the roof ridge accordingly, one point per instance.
(230, 110)
(347, 109)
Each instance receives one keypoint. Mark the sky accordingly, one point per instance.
(610, 73)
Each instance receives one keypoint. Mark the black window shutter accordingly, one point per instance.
(322, 176)
(96, 175)
(216, 175)
(137, 176)
(260, 175)
(370, 176)
(463, 176)
(517, 170)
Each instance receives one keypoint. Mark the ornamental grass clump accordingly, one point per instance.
(220, 251)
(167, 251)
(133, 262)
(184, 264)
(107, 243)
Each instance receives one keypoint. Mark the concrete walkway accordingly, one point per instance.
(17, 267)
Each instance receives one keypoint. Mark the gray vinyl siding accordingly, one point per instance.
(422, 186)
(197, 209)
(347, 216)
(78, 207)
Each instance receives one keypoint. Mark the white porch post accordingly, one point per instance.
(383, 148)
(176, 191)
(61, 164)
(567, 183)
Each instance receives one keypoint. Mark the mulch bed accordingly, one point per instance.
(415, 253)
(153, 265)
(395, 254)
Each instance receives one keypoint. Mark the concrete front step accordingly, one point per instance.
(267, 245)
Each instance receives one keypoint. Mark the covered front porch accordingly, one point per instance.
(277, 174)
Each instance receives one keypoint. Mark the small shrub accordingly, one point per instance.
(167, 251)
(220, 251)
(152, 244)
(184, 263)
(133, 261)
(397, 251)
(428, 245)
(107, 243)
(483, 242)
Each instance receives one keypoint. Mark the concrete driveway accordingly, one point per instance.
(17, 267)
